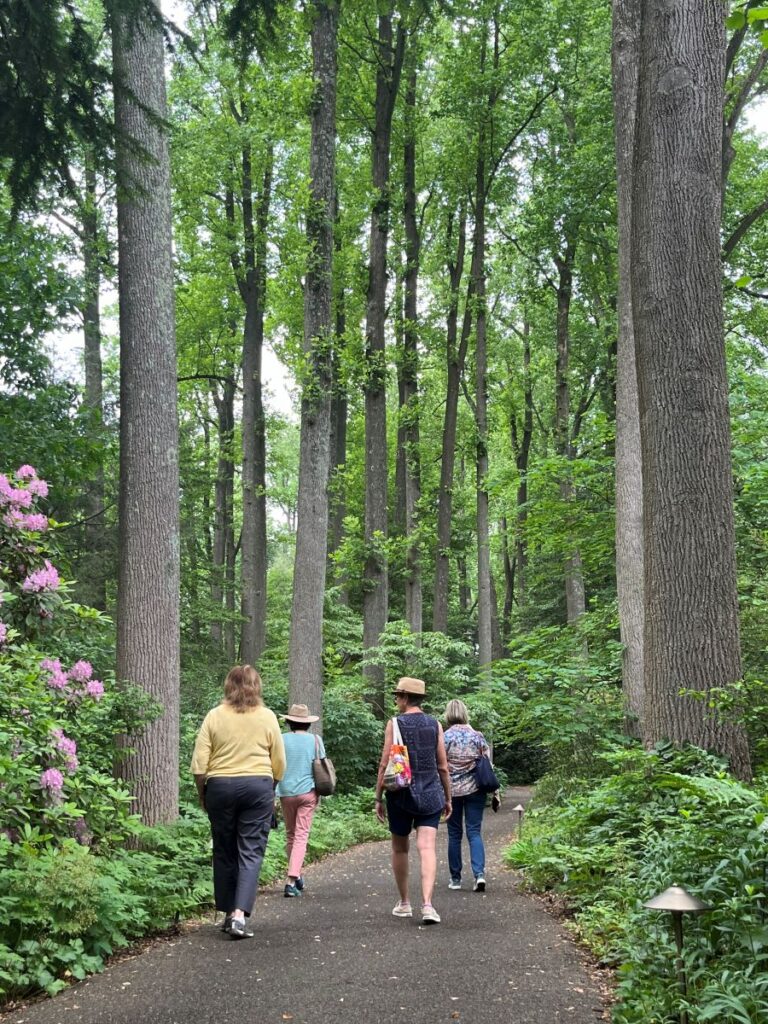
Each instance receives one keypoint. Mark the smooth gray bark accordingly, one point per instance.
(691, 606)
(148, 580)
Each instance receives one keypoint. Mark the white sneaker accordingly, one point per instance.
(455, 883)
(479, 885)
(429, 915)
(402, 909)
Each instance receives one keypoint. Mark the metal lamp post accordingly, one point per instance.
(678, 901)
(519, 812)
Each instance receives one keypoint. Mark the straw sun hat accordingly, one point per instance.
(300, 713)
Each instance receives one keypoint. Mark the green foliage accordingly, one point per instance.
(51, 79)
(446, 665)
(659, 818)
(559, 690)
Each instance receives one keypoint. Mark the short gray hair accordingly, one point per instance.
(456, 713)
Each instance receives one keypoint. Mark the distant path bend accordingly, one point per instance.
(336, 955)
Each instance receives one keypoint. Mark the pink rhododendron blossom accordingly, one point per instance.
(81, 671)
(7, 490)
(63, 743)
(50, 665)
(58, 680)
(36, 522)
(3, 633)
(42, 579)
(22, 498)
(14, 518)
(26, 472)
(95, 689)
(52, 779)
(38, 487)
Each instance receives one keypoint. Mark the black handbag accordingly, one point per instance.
(485, 777)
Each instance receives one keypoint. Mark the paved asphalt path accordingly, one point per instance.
(336, 955)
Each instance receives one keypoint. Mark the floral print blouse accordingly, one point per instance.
(463, 746)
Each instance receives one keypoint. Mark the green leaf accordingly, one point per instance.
(757, 14)
(736, 20)
(745, 279)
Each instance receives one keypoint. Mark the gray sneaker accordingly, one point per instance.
(455, 883)
(429, 915)
(479, 885)
(402, 909)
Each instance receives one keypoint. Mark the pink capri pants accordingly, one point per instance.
(298, 812)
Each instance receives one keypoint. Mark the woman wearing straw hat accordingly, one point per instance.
(298, 798)
(238, 756)
(421, 804)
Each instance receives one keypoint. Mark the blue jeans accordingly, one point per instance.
(470, 809)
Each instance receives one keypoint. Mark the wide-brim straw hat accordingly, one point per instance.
(406, 684)
(300, 713)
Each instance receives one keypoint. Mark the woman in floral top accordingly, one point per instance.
(463, 746)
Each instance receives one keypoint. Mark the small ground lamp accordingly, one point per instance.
(519, 812)
(678, 901)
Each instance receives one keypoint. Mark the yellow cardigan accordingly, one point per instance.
(239, 743)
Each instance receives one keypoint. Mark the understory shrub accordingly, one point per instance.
(661, 818)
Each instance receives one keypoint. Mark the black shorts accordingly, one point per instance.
(403, 820)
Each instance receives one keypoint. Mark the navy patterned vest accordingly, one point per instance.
(425, 794)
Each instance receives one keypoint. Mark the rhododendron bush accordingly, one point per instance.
(59, 722)
(69, 891)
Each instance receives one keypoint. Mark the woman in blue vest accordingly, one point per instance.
(420, 805)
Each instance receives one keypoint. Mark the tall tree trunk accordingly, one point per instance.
(223, 491)
(230, 640)
(410, 368)
(509, 584)
(337, 501)
(398, 516)
(93, 585)
(522, 457)
(455, 359)
(253, 560)
(484, 611)
(376, 594)
(629, 477)
(575, 598)
(691, 606)
(148, 577)
(306, 640)
(465, 592)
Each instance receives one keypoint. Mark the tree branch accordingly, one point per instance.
(743, 227)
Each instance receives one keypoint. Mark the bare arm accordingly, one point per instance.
(380, 774)
(442, 769)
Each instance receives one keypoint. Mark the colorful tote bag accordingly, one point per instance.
(397, 774)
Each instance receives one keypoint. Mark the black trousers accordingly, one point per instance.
(240, 812)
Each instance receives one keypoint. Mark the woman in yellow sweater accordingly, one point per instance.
(238, 759)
